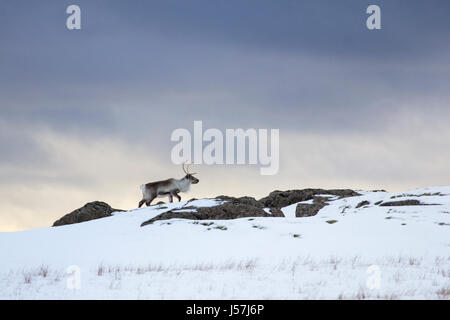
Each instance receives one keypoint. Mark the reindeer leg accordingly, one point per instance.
(141, 202)
(175, 194)
(170, 198)
(149, 201)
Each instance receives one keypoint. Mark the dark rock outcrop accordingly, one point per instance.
(308, 210)
(410, 202)
(280, 199)
(229, 208)
(232, 208)
(362, 204)
(90, 211)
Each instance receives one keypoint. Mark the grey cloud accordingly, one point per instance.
(320, 59)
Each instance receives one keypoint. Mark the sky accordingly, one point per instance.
(87, 114)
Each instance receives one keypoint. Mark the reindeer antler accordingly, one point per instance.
(187, 168)
(184, 168)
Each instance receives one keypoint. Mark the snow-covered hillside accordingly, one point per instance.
(343, 252)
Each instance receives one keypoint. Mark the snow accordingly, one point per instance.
(327, 256)
(289, 211)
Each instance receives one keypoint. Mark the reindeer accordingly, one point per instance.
(170, 187)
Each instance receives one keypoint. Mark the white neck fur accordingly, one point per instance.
(183, 184)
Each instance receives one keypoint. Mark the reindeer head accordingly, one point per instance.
(190, 176)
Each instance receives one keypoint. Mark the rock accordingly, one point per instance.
(308, 210)
(230, 208)
(280, 199)
(362, 203)
(245, 207)
(276, 212)
(233, 208)
(242, 200)
(410, 202)
(90, 211)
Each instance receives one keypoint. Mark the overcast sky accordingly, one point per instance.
(87, 114)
